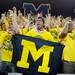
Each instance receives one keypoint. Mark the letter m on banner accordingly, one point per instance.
(29, 7)
(34, 56)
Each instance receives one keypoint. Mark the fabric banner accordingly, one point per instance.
(34, 56)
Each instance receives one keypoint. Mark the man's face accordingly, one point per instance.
(39, 23)
(10, 23)
(3, 26)
(10, 30)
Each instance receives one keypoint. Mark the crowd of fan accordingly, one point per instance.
(51, 28)
(16, 23)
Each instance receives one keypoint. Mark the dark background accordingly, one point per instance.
(63, 7)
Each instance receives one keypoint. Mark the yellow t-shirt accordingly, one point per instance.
(2, 36)
(23, 31)
(54, 33)
(8, 19)
(0, 26)
(43, 35)
(73, 31)
(69, 50)
(6, 53)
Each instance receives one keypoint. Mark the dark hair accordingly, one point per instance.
(39, 18)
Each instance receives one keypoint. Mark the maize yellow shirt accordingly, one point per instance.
(6, 54)
(54, 33)
(69, 50)
(2, 36)
(43, 35)
(23, 31)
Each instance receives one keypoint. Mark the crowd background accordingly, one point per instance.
(51, 28)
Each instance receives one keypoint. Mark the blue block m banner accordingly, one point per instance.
(30, 7)
(34, 56)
